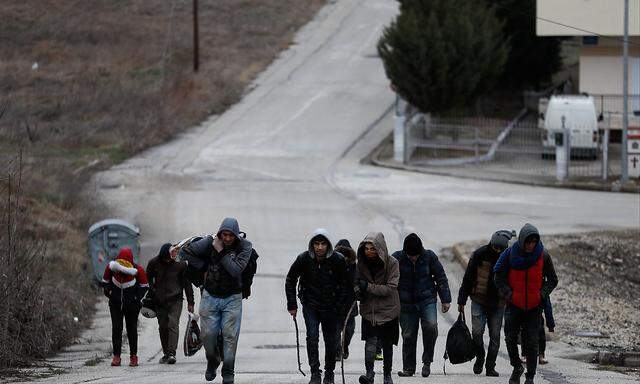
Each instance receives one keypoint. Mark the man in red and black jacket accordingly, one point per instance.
(125, 284)
(524, 276)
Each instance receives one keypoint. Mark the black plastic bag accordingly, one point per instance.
(460, 347)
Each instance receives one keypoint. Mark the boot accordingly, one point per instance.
(477, 366)
(163, 359)
(171, 359)
(404, 373)
(210, 374)
(491, 371)
(426, 369)
(133, 361)
(387, 378)
(367, 378)
(315, 378)
(328, 378)
(115, 362)
(516, 374)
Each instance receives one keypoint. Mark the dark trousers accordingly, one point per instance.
(542, 339)
(130, 316)
(411, 319)
(370, 347)
(168, 325)
(528, 322)
(313, 320)
(491, 318)
(348, 334)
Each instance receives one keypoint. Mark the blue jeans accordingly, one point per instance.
(313, 319)
(221, 315)
(482, 317)
(411, 317)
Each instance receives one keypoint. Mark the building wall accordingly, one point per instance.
(602, 17)
(601, 71)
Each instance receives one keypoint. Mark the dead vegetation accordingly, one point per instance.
(84, 85)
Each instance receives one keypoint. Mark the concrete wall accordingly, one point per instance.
(603, 17)
(601, 70)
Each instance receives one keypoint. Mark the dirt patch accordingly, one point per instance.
(598, 290)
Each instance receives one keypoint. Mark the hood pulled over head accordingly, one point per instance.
(320, 233)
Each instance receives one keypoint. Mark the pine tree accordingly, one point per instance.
(441, 55)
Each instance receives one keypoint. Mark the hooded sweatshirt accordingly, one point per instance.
(381, 302)
(125, 281)
(515, 265)
(323, 280)
(223, 269)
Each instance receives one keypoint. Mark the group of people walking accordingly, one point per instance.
(395, 294)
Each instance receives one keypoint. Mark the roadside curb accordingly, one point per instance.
(374, 159)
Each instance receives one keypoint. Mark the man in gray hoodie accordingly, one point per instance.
(225, 257)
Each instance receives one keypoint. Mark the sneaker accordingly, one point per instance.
(133, 361)
(328, 378)
(516, 374)
(405, 373)
(210, 373)
(426, 370)
(171, 359)
(387, 379)
(115, 362)
(315, 378)
(163, 359)
(491, 372)
(379, 357)
(477, 366)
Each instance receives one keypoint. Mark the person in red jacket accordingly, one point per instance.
(125, 284)
(524, 276)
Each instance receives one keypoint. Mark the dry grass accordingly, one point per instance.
(113, 77)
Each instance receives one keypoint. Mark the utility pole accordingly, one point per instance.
(624, 177)
(196, 40)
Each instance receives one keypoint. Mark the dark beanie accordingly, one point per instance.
(164, 251)
(412, 245)
(343, 243)
(501, 239)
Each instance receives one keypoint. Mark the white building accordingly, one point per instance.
(598, 25)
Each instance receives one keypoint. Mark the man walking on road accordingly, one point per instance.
(377, 278)
(344, 248)
(421, 278)
(225, 256)
(524, 276)
(487, 307)
(322, 273)
(167, 281)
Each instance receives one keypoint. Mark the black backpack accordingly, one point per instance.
(460, 347)
(248, 273)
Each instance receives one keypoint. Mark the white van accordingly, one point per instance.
(577, 113)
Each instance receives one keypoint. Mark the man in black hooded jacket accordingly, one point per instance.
(322, 273)
(487, 307)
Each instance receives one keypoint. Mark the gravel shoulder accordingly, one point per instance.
(599, 281)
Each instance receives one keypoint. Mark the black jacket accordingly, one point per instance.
(420, 283)
(167, 280)
(323, 285)
(481, 255)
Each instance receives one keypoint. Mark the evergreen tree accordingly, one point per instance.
(441, 55)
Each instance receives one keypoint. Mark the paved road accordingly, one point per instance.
(284, 161)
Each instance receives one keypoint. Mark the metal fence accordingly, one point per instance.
(516, 150)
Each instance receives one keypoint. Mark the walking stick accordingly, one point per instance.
(344, 328)
(295, 322)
